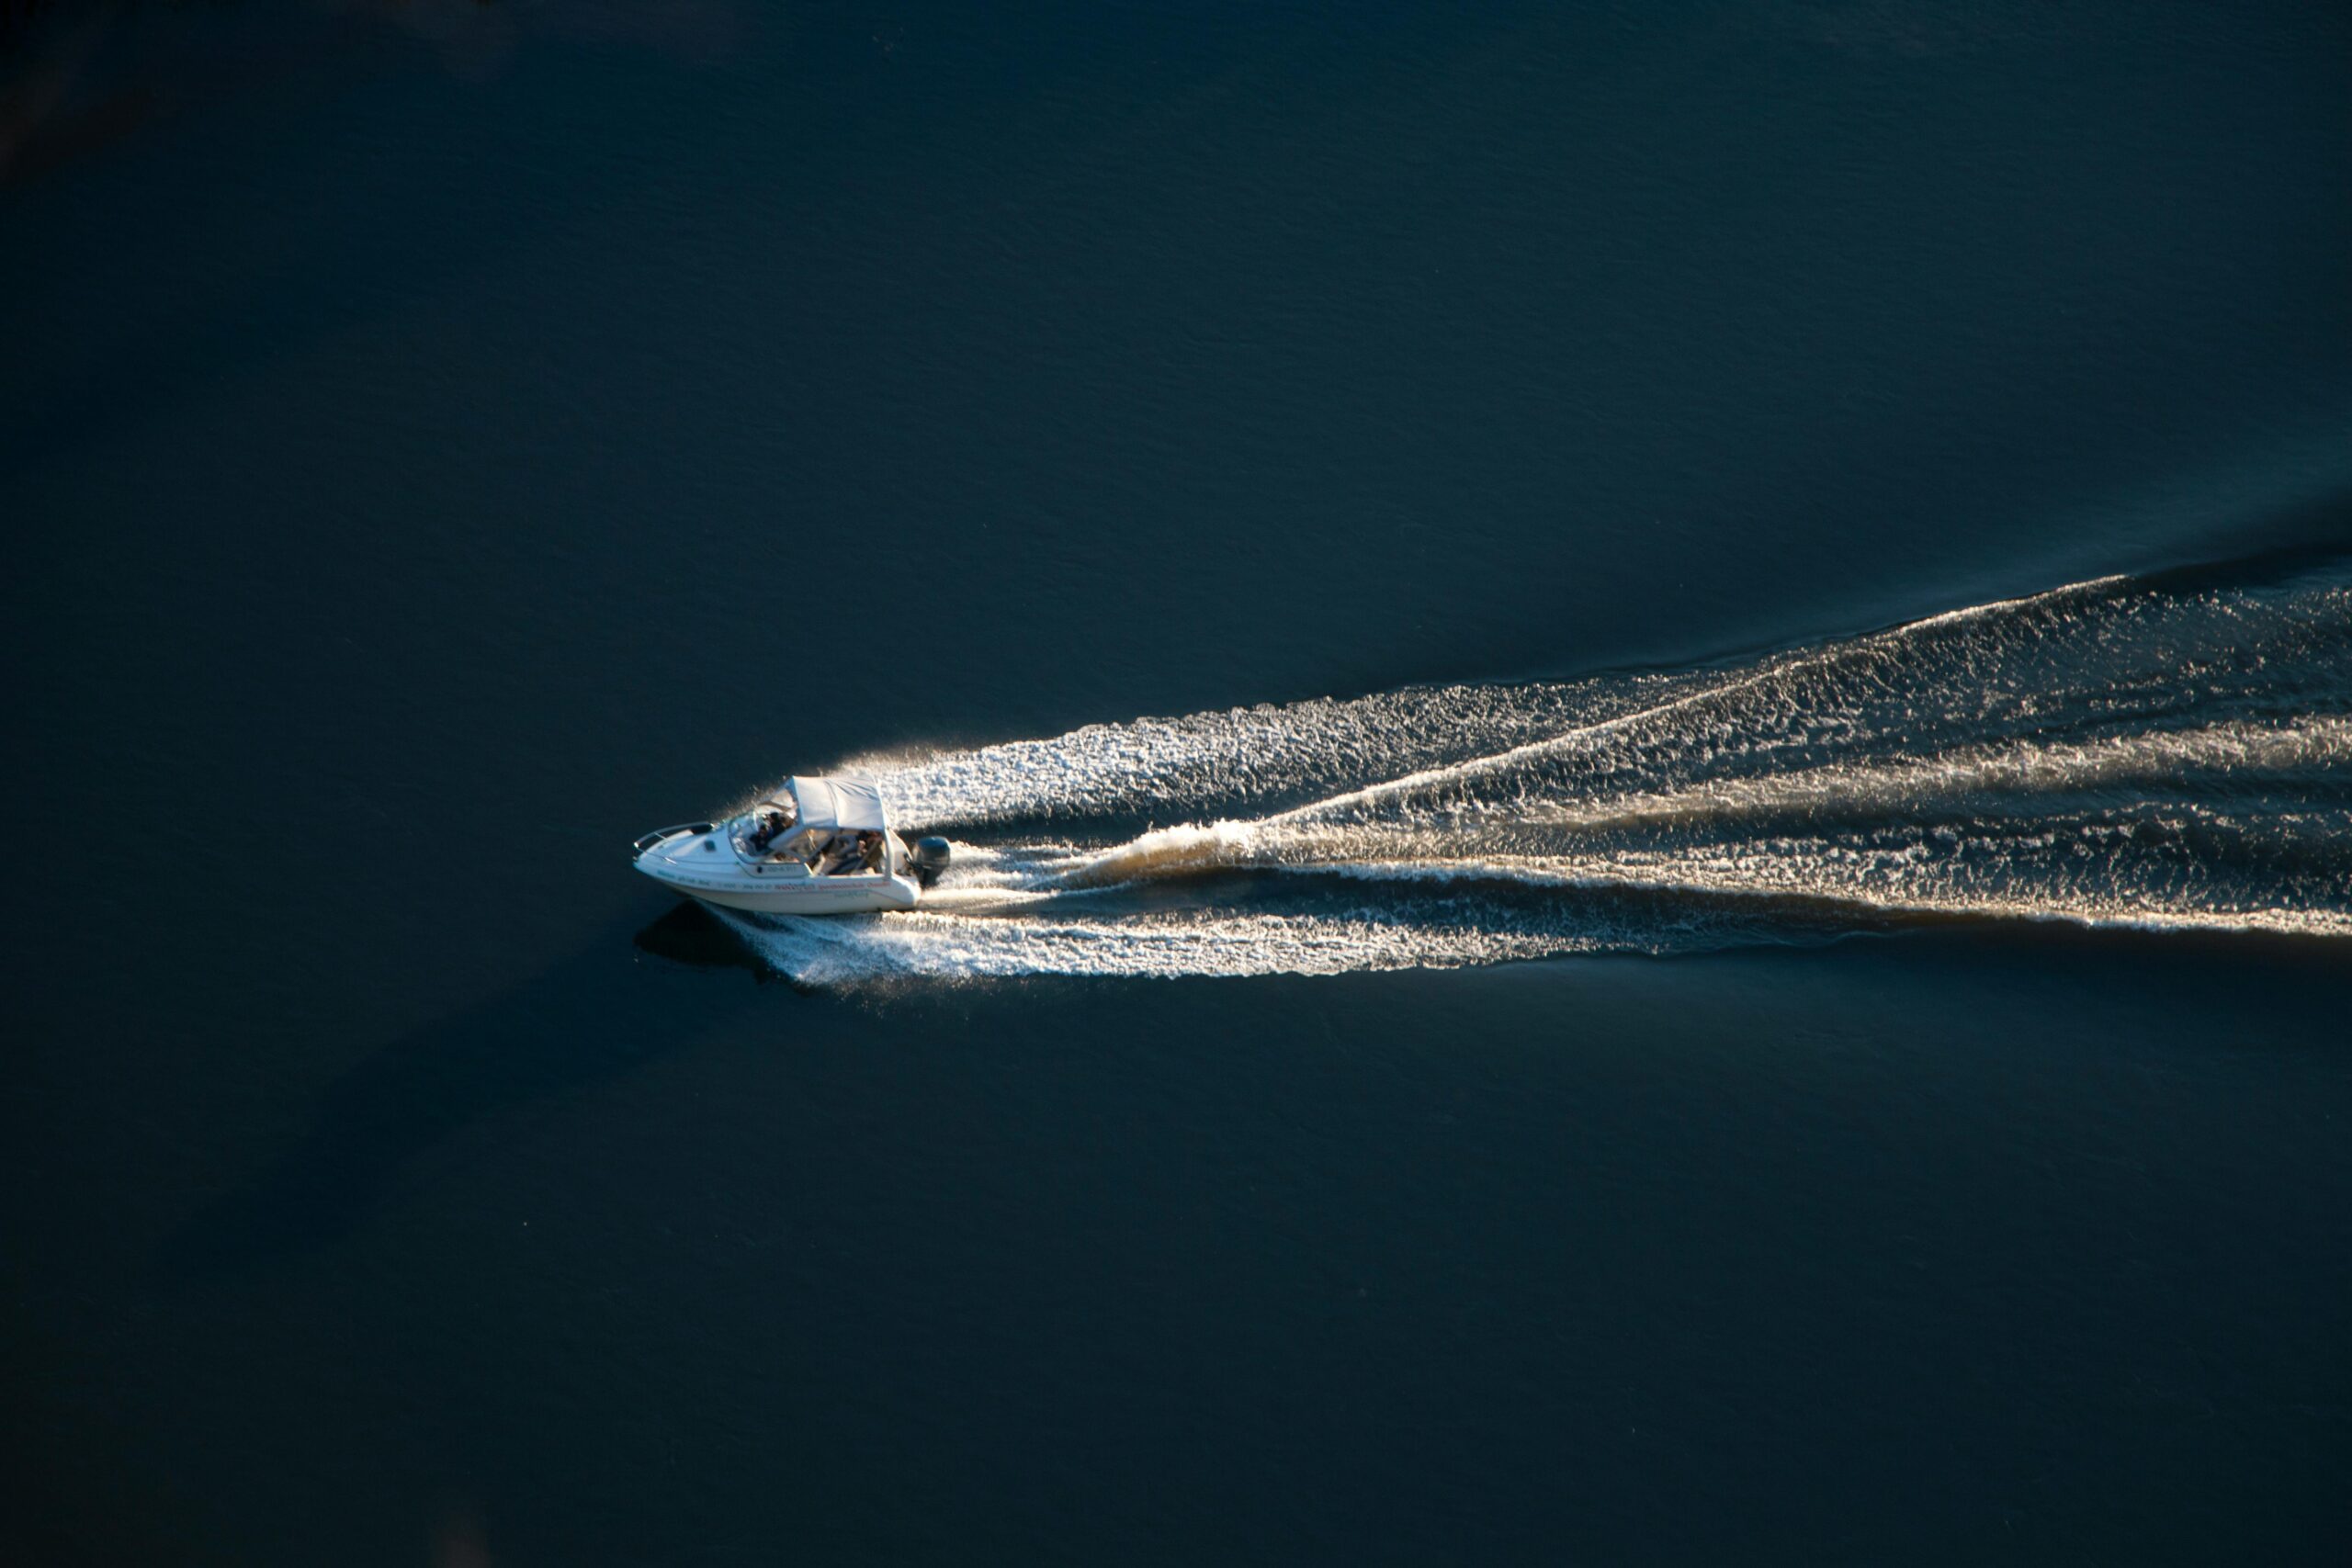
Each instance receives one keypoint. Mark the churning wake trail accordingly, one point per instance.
(2123, 751)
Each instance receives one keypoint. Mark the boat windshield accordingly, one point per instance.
(759, 833)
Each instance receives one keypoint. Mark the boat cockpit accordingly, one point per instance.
(772, 838)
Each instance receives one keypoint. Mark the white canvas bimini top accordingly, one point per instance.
(850, 803)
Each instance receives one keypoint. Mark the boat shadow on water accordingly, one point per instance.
(582, 1022)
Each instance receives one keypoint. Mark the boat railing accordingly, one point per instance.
(660, 835)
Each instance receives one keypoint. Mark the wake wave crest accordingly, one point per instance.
(2111, 752)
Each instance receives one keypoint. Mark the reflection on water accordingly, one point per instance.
(689, 934)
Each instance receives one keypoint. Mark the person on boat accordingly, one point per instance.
(841, 855)
(869, 851)
(766, 824)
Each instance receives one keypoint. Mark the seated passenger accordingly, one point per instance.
(765, 825)
(869, 851)
(841, 855)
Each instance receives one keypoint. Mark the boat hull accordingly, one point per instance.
(817, 895)
(695, 859)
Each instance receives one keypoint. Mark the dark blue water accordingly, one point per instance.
(1648, 711)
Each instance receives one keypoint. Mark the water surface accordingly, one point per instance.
(1644, 707)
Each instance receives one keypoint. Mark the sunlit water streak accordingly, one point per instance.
(2118, 752)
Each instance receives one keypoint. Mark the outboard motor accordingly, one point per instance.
(930, 856)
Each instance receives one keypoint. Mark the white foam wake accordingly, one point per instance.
(2113, 752)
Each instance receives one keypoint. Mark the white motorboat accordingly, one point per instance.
(819, 846)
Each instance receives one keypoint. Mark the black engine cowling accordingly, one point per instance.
(929, 858)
